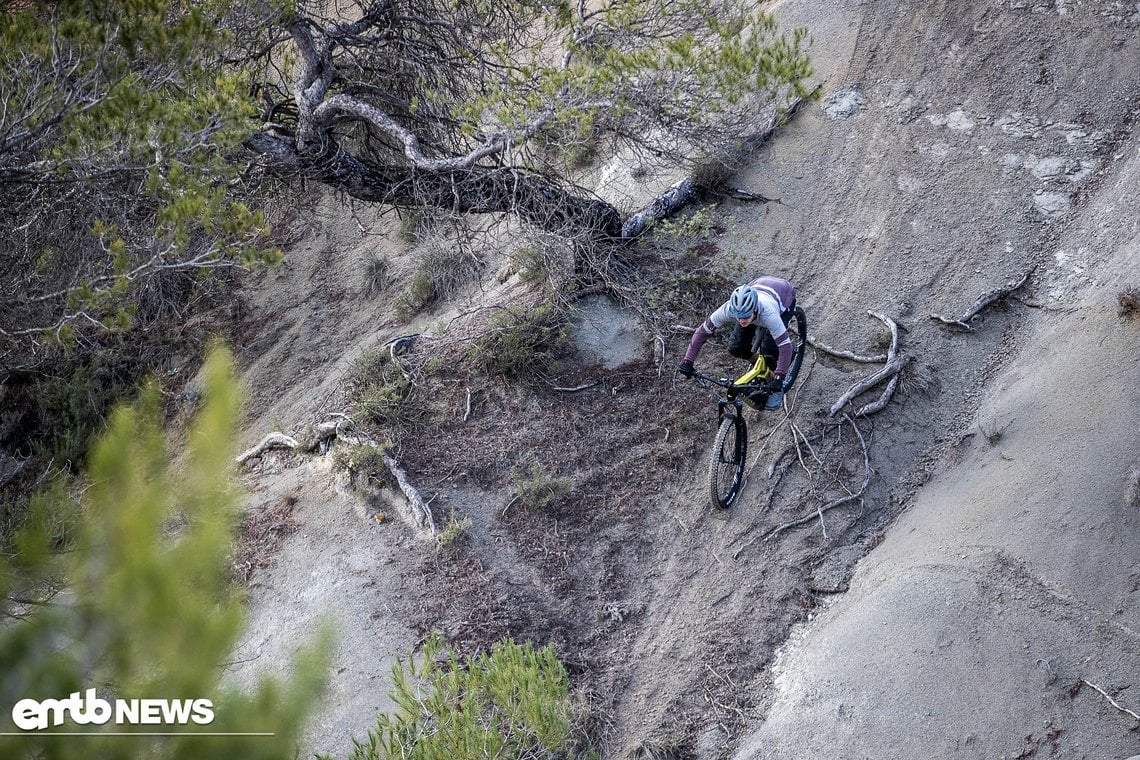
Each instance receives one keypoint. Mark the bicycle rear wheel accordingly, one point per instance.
(797, 328)
(726, 461)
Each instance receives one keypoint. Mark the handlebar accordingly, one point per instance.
(770, 385)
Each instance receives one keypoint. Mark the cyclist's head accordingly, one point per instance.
(742, 303)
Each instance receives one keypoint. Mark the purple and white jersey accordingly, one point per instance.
(773, 297)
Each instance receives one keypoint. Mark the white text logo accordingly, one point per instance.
(33, 714)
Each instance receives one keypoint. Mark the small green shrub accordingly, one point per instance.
(73, 407)
(529, 261)
(540, 261)
(578, 154)
(510, 703)
(453, 529)
(536, 489)
(698, 223)
(523, 346)
(378, 389)
(688, 295)
(362, 459)
(411, 226)
(365, 466)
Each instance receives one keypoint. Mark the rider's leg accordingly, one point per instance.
(766, 345)
(763, 344)
(740, 341)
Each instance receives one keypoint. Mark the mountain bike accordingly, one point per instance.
(730, 446)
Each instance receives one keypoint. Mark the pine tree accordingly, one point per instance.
(147, 610)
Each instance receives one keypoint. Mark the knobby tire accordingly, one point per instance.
(726, 461)
(800, 348)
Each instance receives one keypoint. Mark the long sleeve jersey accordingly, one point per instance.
(773, 297)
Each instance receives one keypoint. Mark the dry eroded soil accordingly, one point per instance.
(956, 146)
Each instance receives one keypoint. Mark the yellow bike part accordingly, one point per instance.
(759, 371)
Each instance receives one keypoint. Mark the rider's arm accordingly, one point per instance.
(717, 319)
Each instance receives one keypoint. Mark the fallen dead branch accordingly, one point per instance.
(576, 388)
(819, 511)
(984, 300)
(737, 194)
(1111, 701)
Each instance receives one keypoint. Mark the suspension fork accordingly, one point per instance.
(725, 404)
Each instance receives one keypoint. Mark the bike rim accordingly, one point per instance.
(727, 473)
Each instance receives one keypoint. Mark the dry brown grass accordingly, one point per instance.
(259, 536)
(1129, 301)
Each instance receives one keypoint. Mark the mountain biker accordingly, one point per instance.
(762, 309)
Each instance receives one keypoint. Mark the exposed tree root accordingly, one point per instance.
(1111, 701)
(879, 404)
(419, 515)
(856, 496)
(415, 512)
(894, 365)
(271, 441)
(865, 359)
(984, 300)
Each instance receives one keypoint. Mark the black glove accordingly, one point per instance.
(774, 385)
(686, 368)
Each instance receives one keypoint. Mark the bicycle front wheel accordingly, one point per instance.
(726, 463)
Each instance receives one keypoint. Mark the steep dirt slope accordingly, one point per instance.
(1013, 582)
(951, 146)
(954, 145)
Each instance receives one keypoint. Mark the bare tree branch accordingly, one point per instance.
(984, 300)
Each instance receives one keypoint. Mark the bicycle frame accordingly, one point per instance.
(752, 381)
(730, 445)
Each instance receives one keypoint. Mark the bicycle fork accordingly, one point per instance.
(722, 404)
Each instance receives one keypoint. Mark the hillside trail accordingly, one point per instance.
(956, 147)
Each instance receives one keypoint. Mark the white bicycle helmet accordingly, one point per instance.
(742, 303)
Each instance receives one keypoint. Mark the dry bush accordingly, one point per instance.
(444, 268)
(377, 274)
(1129, 301)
